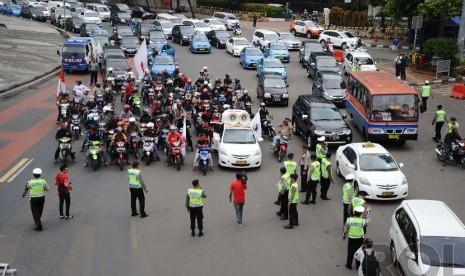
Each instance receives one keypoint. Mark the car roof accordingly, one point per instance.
(364, 148)
(329, 74)
(239, 38)
(359, 54)
(435, 218)
(324, 57)
(265, 31)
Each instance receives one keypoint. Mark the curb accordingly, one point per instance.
(441, 81)
(387, 46)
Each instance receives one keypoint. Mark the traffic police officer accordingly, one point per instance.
(354, 231)
(452, 124)
(293, 200)
(425, 93)
(284, 183)
(347, 195)
(289, 164)
(194, 205)
(439, 119)
(326, 177)
(321, 148)
(36, 188)
(137, 188)
(304, 161)
(315, 173)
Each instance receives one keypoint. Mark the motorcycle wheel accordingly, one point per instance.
(147, 160)
(65, 158)
(178, 163)
(281, 155)
(440, 156)
(121, 160)
(96, 164)
(77, 133)
(271, 134)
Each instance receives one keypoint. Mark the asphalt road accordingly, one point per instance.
(103, 239)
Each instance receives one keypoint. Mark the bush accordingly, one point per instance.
(444, 48)
(253, 7)
(346, 18)
(336, 15)
(275, 12)
(355, 19)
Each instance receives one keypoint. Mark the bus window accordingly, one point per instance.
(394, 108)
(87, 49)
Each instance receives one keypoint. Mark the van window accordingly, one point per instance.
(408, 229)
(443, 251)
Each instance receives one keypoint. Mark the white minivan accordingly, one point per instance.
(427, 238)
(102, 10)
(228, 19)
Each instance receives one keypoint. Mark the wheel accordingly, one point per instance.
(344, 46)
(294, 127)
(401, 142)
(147, 160)
(308, 73)
(95, 165)
(271, 134)
(121, 164)
(338, 170)
(294, 33)
(178, 164)
(356, 188)
(65, 159)
(281, 155)
(309, 35)
(393, 254)
(112, 23)
(218, 44)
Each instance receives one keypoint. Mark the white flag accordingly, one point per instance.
(257, 125)
(61, 83)
(184, 135)
(140, 60)
(98, 49)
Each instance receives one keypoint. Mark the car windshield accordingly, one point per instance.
(175, 20)
(124, 15)
(215, 22)
(394, 108)
(163, 60)
(187, 30)
(271, 37)
(272, 64)
(241, 42)
(122, 7)
(346, 35)
(157, 34)
(167, 24)
(311, 24)
(287, 37)
(73, 52)
(313, 47)
(253, 52)
(278, 46)
(327, 62)
(200, 24)
(334, 82)
(59, 13)
(40, 8)
(102, 9)
(325, 114)
(15, 7)
(222, 34)
(443, 251)
(366, 60)
(130, 40)
(200, 39)
(239, 136)
(77, 21)
(274, 83)
(377, 162)
(91, 14)
(146, 29)
(231, 17)
(119, 64)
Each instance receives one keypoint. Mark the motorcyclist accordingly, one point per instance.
(132, 127)
(169, 87)
(119, 136)
(205, 95)
(113, 123)
(236, 27)
(176, 71)
(108, 96)
(110, 73)
(188, 87)
(72, 109)
(62, 99)
(152, 133)
(286, 130)
(97, 89)
(128, 75)
(227, 80)
(159, 77)
(237, 84)
(173, 137)
(95, 137)
(114, 36)
(449, 139)
(61, 133)
(147, 76)
(178, 81)
(357, 66)
(79, 88)
(202, 141)
(178, 112)
(145, 118)
(263, 113)
(328, 44)
(126, 113)
(205, 72)
(245, 98)
(130, 88)
(165, 75)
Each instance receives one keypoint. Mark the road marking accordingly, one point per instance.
(13, 170)
(20, 170)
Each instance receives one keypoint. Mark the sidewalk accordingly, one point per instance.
(414, 77)
(28, 51)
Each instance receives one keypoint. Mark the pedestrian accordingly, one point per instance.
(438, 121)
(293, 200)
(326, 176)
(283, 193)
(366, 256)
(347, 195)
(353, 230)
(403, 65)
(254, 19)
(398, 63)
(36, 188)
(452, 124)
(290, 164)
(315, 173)
(93, 68)
(64, 187)
(194, 205)
(137, 188)
(304, 161)
(321, 148)
(425, 93)
(237, 189)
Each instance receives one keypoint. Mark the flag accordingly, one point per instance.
(98, 50)
(140, 59)
(184, 135)
(257, 125)
(61, 82)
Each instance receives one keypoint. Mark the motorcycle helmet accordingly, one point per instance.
(245, 92)
(107, 90)
(97, 84)
(85, 92)
(119, 129)
(78, 82)
(164, 117)
(262, 104)
(110, 69)
(227, 75)
(173, 127)
(237, 80)
(126, 107)
(150, 125)
(132, 120)
(145, 111)
(147, 71)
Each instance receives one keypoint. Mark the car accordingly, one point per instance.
(179, 15)
(130, 45)
(218, 38)
(90, 16)
(73, 24)
(33, 13)
(57, 4)
(321, 62)
(144, 30)
(102, 10)
(120, 66)
(75, 11)
(375, 170)
(100, 32)
(112, 52)
(307, 28)
(43, 9)
(163, 62)
(165, 26)
(169, 17)
(314, 117)
(215, 24)
(367, 62)
(235, 45)
(182, 34)
(161, 48)
(101, 39)
(157, 37)
(289, 39)
(11, 9)
(87, 29)
(101, 2)
(120, 7)
(57, 13)
(250, 56)
(228, 19)
(272, 89)
(266, 65)
(262, 37)
(199, 25)
(123, 30)
(142, 12)
(199, 44)
(426, 238)
(120, 18)
(330, 85)
(277, 49)
(341, 39)
(307, 48)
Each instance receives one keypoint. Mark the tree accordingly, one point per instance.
(397, 9)
(431, 9)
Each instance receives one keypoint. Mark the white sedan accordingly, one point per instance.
(376, 172)
(89, 16)
(215, 24)
(235, 45)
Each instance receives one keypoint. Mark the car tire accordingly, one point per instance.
(308, 73)
(393, 254)
(338, 170)
(294, 33)
(309, 35)
(344, 46)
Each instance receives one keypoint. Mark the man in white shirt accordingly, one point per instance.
(366, 250)
(79, 89)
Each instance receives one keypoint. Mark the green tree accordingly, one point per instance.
(431, 9)
(397, 9)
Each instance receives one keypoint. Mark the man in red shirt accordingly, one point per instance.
(64, 187)
(237, 189)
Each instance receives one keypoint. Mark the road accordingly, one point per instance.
(103, 239)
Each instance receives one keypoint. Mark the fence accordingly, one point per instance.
(241, 15)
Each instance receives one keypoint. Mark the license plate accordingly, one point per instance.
(202, 49)
(276, 99)
(335, 137)
(73, 67)
(241, 162)
(393, 136)
(387, 193)
(281, 58)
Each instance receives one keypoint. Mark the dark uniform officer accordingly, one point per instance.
(36, 188)
(194, 205)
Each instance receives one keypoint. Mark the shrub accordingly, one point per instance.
(444, 48)
(346, 18)
(336, 15)
(275, 12)
(355, 19)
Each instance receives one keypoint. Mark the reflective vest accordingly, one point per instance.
(450, 126)
(316, 171)
(287, 178)
(133, 175)
(356, 201)
(319, 151)
(295, 199)
(440, 115)
(347, 193)
(36, 187)
(290, 166)
(324, 168)
(425, 91)
(356, 225)
(356, 68)
(195, 197)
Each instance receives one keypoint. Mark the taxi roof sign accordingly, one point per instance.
(369, 145)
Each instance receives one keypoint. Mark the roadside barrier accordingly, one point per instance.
(338, 55)
(458, 91)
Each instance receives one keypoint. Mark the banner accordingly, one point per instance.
(257, 125)
(61, 83)
(140, 60)
(184, 135)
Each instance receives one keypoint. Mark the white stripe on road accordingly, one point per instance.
(20, 170)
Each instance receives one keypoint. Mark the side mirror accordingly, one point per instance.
(401, 165)
(351, 166)
(344, 116)
(304, 117)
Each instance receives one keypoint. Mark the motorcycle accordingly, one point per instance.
(95, 154)
(109, 137)
(203, 159)
(75, 126)
(248, 108)
(164, 141)
(149, 149)
(281, 150)
(65, 149)
(118, 86)
(135, 140)
(268, 128)
(100, 101)
(456, 156)
(237, 32)
(188, 101)
(121, 154)
(64, 112)
(175, 157)
(151, 96)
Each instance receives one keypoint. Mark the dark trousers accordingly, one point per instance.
(93, 77)
(345, 214)
(303, 178)
(284, 200)
(398, 70)
(65, 197)
(196, 213)
(311, 190)
(137, 193)
(324, 187)
(352, 246)
(59, 111)
(437, 129)
(424, 100)
(37, 207)
(293, 214)
(403, 76)
(255, 23)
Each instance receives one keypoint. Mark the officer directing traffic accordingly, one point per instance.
(194, 205)
(137, 188)
(36, 188)
(354, 231)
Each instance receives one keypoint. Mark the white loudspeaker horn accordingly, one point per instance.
(233, 118)
(244, 118)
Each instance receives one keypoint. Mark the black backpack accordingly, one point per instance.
(370, 264)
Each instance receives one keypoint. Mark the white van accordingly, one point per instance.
(57, 4)
(262, 37)
(228, 19)
(427, 238)
(169, 17)
(102, 10)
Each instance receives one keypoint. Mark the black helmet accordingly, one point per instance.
(227, 75)
(237, 80)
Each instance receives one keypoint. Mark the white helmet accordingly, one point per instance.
(147, 71)
(173, 127)
(426, 81)
(37, 171)
(150, 125)
(350, 176)
(205, 68)
(245, 92)
(110, 69)
(132, 120)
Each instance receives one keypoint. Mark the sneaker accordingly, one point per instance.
(200, 234)
(288, 227)
(134, 214)
(69, 217)
(240, 225)
(144, 216)
(62, 217)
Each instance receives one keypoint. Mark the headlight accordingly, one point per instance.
(364, 181)
(267, 95)
(404, 181)
(223, 152)
(185, 37)
(257, 152)
(411, 131)
(325, 95)
(375, 131)
(34, 15)
(319, 132)
(285, 96)
(346, 131)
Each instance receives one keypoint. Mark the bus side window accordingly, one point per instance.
(87, 49)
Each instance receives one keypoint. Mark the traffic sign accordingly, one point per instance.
(417, 22)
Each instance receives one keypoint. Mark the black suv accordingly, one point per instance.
(314, 116)
(306, 49)
(182, 34)
(321, 62)
(331, 86)
(272, 89)
(120, 18)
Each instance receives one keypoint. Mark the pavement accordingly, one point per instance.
(28, 51)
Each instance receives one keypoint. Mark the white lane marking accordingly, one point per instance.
(20, 170)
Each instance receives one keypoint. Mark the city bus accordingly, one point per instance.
(382, 107)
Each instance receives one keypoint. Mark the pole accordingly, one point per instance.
(461, 36)
(64, 15)
(415, 40)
